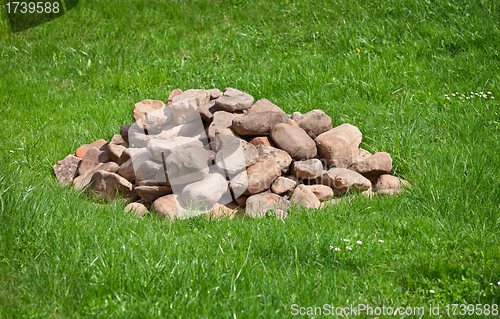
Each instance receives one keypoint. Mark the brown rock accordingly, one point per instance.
(273, 154)
(322, 192)
(390, 185)
(66, 169)
(187, 165)
(137, 209)
(118, 140)
(185, 110)
(235, 157)
(342, 180)
(233, 100)
(207, 111)
(146, 106)
(201, 96)
(283, 185)
(221, 120)
(82, 181)
(308, 169)
(292, 123)
(241, 200)
(373, 166)
(304, 197)
(137, 136)
(124, 132)
(294, 141)
(256, 178)
(258, 123)
(264, 105)
(161, 149)
(115, 151)
(261, 140)
(109, 186)
(125, 156)
(205, 193)
(92, 158)
(99, 144)
(127, 171)
(151, 193)
(348, 133)
(172, 94)
(147, 170)
(334, 150)
(214, 93)
(155, 121)
(315, 122)
(258, 205)
(168, 207)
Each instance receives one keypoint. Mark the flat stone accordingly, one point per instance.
(151, 193)
(258, 123)
(235, 157)
(188, 129)
(157, 148)
(157, 119)
(322, 192)
(261, 140)
(99, 144)
(82, 181)
(264, 105)
(294, 141)
(315, 122)
(137, 136)
(147, 170)
(146, 106)
(168, 207)
(214, 93)
(185, 111)
(65, 170)
(115, 151)
(283, 185)
(349, 133)
(205, 193)
(273, 154)
(256, 178)
(124, 157)
(187, 165)
(117, 139)
(201, 96)
(109, 186)
(304, 197)
(258, 205)
(92, 158)
(292, 122)
(124, 132)
(189, 141)
(137, 209)
(233, 100)
(373, 166)
(221, 120)
(308, 169)
(207, 111)
(174, 92)
(342, 180)
(335, 151)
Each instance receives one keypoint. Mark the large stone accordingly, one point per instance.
(264, 105)
(99, 144)
(147, 170)
(187, 165)
(65, 169)
(159, 150)
(261, 140)
(185, 111)
(82, 181)
(283, 185)
(190, 141)
(174, 92)
(188, 129)
(207, 111)
(137, 209)
(124, 157)
(349, 133)
(157, 119)
(151, 193)
(221, 120)
(144, 107)
(390, 185)
(258, 123)
(273, 154)
(206, 192)
(233, 100)
(109, 186)
(115, 151)
(201, 96)
(258, 205)
(322, 192)
(373, 166)
(335, 151)
(342, 180)
(315, 122)
(304, 197)
(308, 169)
(117, 139)
(92, 158)
(294, 141)
(235, 157)
(214, 93)
(137, 136)
(168, 207)
(228, 210)
(124, 132)
(256, 178)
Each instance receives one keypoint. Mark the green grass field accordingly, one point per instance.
(75, 79)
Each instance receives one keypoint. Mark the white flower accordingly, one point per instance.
(467, 98)
(453, 94)
(349, 248)
(481, 93)
(448, 97)
(380, 241)
(492, 97)
(431, 291)
(359, 242)
(347, 240)
(489, 92)
(337, 249)
(331, 247)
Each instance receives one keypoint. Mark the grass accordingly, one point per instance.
(75, 79)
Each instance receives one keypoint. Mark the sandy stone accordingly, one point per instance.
(390, 185)
(161, 149)
(172, 94)
(259, 123)
(109, 186)
(315, 122)
(137, 209)
(304, 197)
(322, 192)
(65, 170)
(308, 169)
(187, 165)
(273, 154)
(124, 132)
(207, 111)
(168, 207)
(335, 151)
(294, 141)
(342, 180)
(147, 170)
(82, 181)
(92, 158)
(99, 144)
(221, 120)
(185, 111)
(201, 96)
(206, 192)
(235, 157)
(258, 205)
(115, 151)
(233, 100)
(256, 178)
(261, 140)
(373, 166)
(283, 185)
(214, 93)
(151, 193)
(146, 106)
(264, 105)
(349, 133)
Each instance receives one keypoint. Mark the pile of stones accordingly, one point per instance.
(207, 151)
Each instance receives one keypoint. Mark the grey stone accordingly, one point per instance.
(308, 169)
(205, 193)
(258, 123)
(294, 141)
(187, 165)
(233, 100)
(315, 122)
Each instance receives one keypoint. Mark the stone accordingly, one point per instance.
(235, 157)
(241, 200)
(322, 192)
(82, 181)
(258, 205)
(223, 138)
(207, 111)
(261, 140)
(117, 139)
(283, 185)
(304, 197)
(233, 100)
(205, 193)
(258, 123)
(214, 93)
(221, 120)
(157, 119)
(187, 141)
(256, 178)
(147, 170)
(342, 180)
(315, 122)
(373, 166)
(296, 116)
(362, 154)
(188, 129)
(201, 96)
(172, 94)
(99, 144)
(273, 154)
(264, 105)
(124, 132)
(151, 193)
(185, 111)
(390, 185)
(168, 207)
(308, 169)
(220, 211)
(115, 151)
(124, 157)
(335, 151)
(144, 107)
(292, 122)
(187, 165)
(137, 136)
(92, 158)
(158, 147)
(294, 141)
(137, 209)
(127, 171)
(109, 186)
(349, 133)
(65, 170)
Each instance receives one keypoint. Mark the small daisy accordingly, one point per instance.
(476, 93)
(359, 242)
(348, 248)
(347, 240)
(431, 291)
(456, 93)
(448, 97)
(380, 241)
(331, 247)
(492, 97)
(489, 92)
(481, 93)
(463, 95)
(471, 93)
(460, 97)
(337, 249)
(453, 94)
(467, 98)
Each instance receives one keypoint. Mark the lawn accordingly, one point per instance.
(383, 66)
